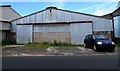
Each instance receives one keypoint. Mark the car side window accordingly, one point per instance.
(86, 37)
(89, 37)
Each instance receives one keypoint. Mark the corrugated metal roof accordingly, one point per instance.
(10, 8)
(5, 21)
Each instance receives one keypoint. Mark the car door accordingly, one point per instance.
(86, 39)
(90, 40)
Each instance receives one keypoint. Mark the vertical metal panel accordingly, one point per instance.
(53, 17)
(67, 17)
(24, 20)
(102, 24)
(52, 28)
(21, 21)
(39, 17)
(45, 16)
(79, 31)
(18, 21)
(13, 26)
(24, 34)
(32, 19)
(119, 25)
(27, 19)
(116, 26)
(75, 17)
(60, 16)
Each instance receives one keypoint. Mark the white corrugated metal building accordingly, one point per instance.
(7, 14)
(60, 25)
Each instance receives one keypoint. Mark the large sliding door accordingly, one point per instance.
(79, 31)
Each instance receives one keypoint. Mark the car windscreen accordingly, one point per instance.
(99, 37)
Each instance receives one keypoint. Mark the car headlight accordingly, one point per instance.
(99, 42)
(113, 43)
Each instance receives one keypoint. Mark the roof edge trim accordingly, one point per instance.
(67, 22)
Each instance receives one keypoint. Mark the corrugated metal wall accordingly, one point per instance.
(117, 26)
(24, 33)
(52, 28)
(79, 31)
(99, 24)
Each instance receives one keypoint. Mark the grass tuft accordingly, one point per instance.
(117, 41)
(46, 44)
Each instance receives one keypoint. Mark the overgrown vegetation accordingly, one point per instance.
(46, 44)
(117, 41)
(7, 42)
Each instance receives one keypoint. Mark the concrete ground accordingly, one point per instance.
(53, 51)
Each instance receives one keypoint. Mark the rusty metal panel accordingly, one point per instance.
(79, 31)
(24, 34)
(52, 28)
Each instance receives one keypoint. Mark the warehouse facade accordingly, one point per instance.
(60, 25)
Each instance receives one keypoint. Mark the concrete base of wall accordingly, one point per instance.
(12, 36)
(51, 36)
(3, 35)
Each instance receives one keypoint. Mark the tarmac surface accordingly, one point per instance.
(61, 62)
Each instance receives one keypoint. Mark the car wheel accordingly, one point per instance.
(94, 48)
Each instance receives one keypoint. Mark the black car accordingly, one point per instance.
(99, 42)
